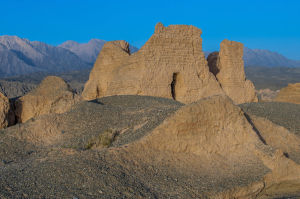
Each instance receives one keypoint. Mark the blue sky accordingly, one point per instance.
(262, 24)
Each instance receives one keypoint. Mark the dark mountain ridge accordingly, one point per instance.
(20, 56)
(266, 58)
(86, 51)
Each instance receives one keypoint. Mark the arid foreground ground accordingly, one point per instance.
(147, 147)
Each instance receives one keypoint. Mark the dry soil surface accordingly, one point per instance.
(55, 156)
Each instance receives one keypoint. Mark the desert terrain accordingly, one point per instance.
(164, 121)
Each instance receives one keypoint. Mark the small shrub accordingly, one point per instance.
(103, 140)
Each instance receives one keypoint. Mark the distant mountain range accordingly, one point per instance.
(20, 56)
(85, 51)
(88, 51)
(265, 58)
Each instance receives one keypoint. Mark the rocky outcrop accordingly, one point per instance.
(216, 140)
(171, 64)
(6, 114)
(290, 94)
(53, 95)
(229, 70)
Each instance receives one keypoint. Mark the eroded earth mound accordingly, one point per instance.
(51, 157)
(231, 74)
(290, 94)
(228, 67)
(137, 147)
(6, 114)
(243, 156)
(53, 95)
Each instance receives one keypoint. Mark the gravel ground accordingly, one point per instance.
(283, 114)
(65, 168)
(131, 116)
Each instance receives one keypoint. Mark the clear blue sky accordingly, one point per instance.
(262, 24)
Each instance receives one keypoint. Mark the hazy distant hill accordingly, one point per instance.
(20, 56)
(88, 51)
(267, 58)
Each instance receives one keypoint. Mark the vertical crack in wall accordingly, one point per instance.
(173, 86)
